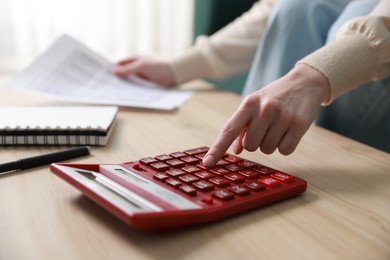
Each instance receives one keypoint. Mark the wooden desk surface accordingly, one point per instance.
(344, 214)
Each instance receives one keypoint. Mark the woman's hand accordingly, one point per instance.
(151, 69)
(274, 117)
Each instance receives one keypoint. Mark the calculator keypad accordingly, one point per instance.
(231, 178)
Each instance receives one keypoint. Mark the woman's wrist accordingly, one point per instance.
(313, 79)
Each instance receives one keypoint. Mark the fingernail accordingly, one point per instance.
(235, 146)
(208, 159)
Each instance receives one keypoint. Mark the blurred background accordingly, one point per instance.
(113, 28)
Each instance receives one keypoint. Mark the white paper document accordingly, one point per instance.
(70, 71)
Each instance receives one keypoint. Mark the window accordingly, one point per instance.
(113, 28)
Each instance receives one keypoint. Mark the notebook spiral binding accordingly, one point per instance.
(51, 136)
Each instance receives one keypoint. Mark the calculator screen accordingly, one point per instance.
(111, 191)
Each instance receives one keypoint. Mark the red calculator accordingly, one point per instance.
(175, 190)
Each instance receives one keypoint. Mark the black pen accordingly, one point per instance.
(44, 159)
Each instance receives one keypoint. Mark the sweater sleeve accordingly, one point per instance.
(359, 54)
(227, 52)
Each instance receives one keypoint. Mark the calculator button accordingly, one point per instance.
(220, 171)
(235, 177)
(239, 190)
(219, 181)
(191, 169)
(175, 172)
(160, 176)
(160, 166)
(204, 175)
(178, 154)
(203, 185)
(223, 195)
(282, 177)
(188, 190)
(233, 159)
(197, 150)
(176, 163)
(163, 157)
(148, 160)
(263, 170)
(137, 167)
(270, 182)
(255, 186)
(188, 178)
(249, 174)
(190, 160)
(173, 182)
(222, 162)
(247, 164)
(233, 167)
(200, 156)
(208, 201)
(204, 167)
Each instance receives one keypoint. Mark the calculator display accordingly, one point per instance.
(93, 181)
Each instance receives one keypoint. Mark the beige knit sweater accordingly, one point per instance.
(360, 52)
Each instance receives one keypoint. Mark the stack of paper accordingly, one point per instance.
(72, 72)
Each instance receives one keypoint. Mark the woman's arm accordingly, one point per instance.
(227, 52)
(359, 54)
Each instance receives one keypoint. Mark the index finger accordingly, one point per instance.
(226, 136)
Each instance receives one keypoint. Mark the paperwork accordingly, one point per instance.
(72, 72)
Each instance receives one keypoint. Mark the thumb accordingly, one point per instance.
(127, 70)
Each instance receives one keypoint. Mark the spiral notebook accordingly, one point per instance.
(56, 125)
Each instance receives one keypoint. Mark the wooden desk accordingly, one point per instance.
(344, 214)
